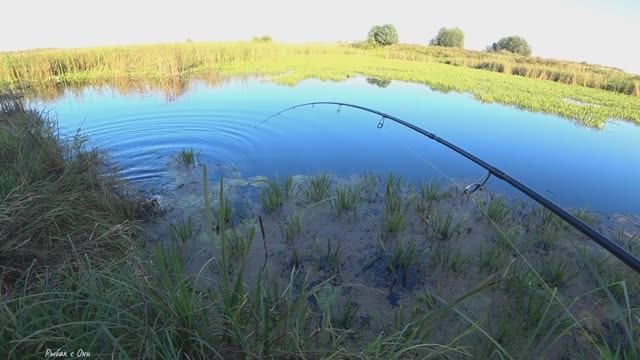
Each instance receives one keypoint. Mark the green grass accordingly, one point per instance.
(445, 228)
(331, 260)
(394, 218)
(240, 240)
(186, 157)
(274, 194)
(347, 200)
(587, 93)
(182, 230)
(430, 192)
(61, 199)
(449, 258)
(405, 255)
(495, 210)
(292, 227)
(316, 188)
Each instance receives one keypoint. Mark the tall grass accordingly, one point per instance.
(60, 199)
(588, 93)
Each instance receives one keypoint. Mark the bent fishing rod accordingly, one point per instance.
(606, 243)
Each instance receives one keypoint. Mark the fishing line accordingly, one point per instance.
(606, 243)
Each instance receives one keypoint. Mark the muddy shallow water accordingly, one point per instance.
(352, 260)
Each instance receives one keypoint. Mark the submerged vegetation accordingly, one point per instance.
(449, 275)
(588, 93)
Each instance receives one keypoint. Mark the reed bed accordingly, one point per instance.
(588, 93)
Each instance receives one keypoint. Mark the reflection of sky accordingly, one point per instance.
(572, 165)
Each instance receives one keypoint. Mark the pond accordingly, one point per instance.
(307, 205)
(575, 166)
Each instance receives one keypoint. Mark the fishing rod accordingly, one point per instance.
(609, 245)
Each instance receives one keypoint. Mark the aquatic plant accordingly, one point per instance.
(331, 260)
(430, 192)
(296, 258)
(239, 241)
(274, 195)
(182, 230)
(186, 157)
(445, 228)
(223, 212)
(557, 271)
(495, 210)
(449, 258)
(347, 315)
(405, 255)
(368, 186)
(493, 258)
(347, 200)
(394, 214)
(316, 188)
(587, 217)
(292, 227)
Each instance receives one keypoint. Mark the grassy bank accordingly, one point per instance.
(588, 93)
(75, 274)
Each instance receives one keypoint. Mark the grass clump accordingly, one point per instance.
(445, 228)
(239, 241)
(557, 271)
(274, 194)
(331, 260)
(292, 227)
(347, 200)
(186, 157)
(394, 214)
(368, 186)
(182, 230)
(430, 192)
(449, 258)
(495, 210)
(405, 255)
(316, 188)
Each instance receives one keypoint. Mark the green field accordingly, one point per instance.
(589, 94)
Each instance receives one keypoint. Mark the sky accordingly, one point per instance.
(596, 31)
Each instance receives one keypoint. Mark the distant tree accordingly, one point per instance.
(449, 37)
(512, 44)
(263, 38)
(383, 35)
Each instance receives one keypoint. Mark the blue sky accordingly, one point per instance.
(602, 32)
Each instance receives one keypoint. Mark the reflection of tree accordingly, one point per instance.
(383, 83)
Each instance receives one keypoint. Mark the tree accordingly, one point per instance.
(512, 44)
(383, 35)
(449, 37)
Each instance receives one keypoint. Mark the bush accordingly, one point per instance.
(263, 38)
(449, 37)
(383, 35)
(512, 44)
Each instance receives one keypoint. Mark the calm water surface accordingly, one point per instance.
(573, 165)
